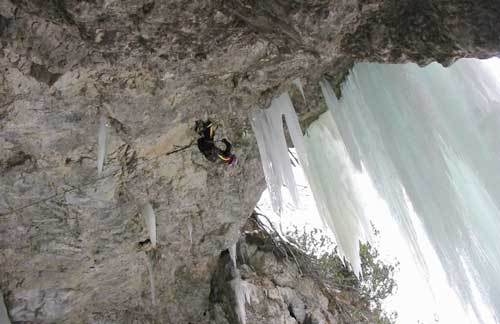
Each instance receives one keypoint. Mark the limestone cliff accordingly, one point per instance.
(275, 288)
(276, 282)
(70, 241)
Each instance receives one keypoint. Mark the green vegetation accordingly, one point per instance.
(358, 300)
(353, 299)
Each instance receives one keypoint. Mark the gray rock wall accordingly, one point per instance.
(276, 289)
(274, 282)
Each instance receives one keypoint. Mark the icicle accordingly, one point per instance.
(339, 210)
(149, 216)
(250, 292)
(263, 134)
(330, 175)
(238, 287)
(240, 299)
(190, 231)
(4, 315)
(298, 84)
(102, 143)
(232, 254)
(269, 132)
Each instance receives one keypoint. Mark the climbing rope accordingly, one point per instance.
(89, 183)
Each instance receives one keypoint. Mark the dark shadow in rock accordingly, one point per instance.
(4, 24)
(290, 310)
(42, 74)
(144, 243)
(148, 7)
(16, 159)
(221, 292)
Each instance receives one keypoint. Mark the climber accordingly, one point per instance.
(207, 146)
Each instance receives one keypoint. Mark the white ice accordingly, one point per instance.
(150, 218)
(102, 143)
(269, 131)
(429, 138)
(238, 287)
(298, 84)
(339, 208)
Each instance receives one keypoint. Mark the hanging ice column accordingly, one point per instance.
(150, 218)
(244, 292)
(331, 184)
(268, 128)
(102, 143)
(331, 177)
(238, 289)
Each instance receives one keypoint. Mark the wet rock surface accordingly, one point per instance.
(70, 241)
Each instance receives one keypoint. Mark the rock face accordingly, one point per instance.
(275, 289)
(72, 243)
(265, 279)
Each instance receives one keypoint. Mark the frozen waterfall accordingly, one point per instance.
(330, 176)
(330, 182)
(269, 131)
(429, 139)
